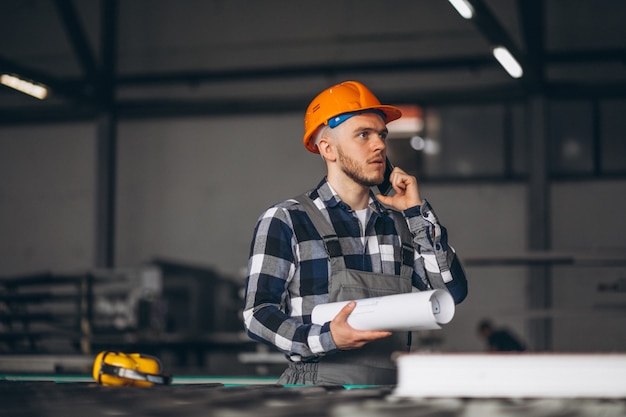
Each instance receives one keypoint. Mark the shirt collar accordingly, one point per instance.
(332, 199)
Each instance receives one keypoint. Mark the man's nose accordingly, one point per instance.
(379, 143)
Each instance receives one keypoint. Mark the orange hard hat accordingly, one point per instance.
(346, 97)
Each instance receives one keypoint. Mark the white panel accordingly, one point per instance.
(512, 376)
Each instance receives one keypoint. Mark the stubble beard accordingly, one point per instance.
(354, 171)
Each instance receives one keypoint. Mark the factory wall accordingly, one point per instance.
(191, 189)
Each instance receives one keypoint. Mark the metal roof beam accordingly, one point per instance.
(78, 38)
(532, 13)
(233, 74)
(495, 34)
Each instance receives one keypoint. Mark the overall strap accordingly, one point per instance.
(408, 256)
(434, 280)
(326, 231)
(408, 252)
(331, 241)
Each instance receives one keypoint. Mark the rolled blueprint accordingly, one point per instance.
(424, 310)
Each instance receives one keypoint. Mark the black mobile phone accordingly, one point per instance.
(385, 187)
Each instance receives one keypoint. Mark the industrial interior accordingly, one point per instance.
(141, 140)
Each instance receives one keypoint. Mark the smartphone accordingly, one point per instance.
(385, 187)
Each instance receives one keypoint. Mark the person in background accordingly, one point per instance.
(341, 242)
(499, 340)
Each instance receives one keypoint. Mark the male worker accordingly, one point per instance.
(337, 242)
(499, 340)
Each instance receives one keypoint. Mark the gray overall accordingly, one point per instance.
(371, 364)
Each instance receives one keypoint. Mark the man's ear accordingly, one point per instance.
(326, 148)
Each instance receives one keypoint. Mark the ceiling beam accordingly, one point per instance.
(108, 44)
(78, 39)
(469, 62)
(532, 15)
(106, 140)
(587, 56)
(138, 109)
(491, 29)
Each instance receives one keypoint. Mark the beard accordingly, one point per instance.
(355, 171)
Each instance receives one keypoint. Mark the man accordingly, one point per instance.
(499, 340)
(339, 243)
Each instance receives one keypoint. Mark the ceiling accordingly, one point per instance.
(146, 58)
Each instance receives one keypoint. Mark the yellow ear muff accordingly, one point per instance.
(134, 369)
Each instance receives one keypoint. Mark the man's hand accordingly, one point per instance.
(407, 191)
(347, 337)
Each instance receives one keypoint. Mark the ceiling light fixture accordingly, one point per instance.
(508, 61)
(464, 8)
(26, 87)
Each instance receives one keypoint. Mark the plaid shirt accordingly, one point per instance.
(288, 268)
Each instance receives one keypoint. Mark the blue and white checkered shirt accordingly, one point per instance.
(288, 268)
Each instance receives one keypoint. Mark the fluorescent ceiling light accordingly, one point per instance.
(27, 87)
(464, 8)
(509, 62)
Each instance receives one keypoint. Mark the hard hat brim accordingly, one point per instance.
(391, 113)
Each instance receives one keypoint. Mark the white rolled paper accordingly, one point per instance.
(424, 310)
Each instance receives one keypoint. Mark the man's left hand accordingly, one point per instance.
(407, 191)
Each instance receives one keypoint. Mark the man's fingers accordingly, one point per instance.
(406, 188)
(385, 199)
(369, 335)
(345, 312)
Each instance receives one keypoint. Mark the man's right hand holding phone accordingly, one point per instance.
(406, 189)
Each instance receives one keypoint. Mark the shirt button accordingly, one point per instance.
(438, 246)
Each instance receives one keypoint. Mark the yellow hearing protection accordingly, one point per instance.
(132, 369)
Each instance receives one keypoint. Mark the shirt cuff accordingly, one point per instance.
(326, 339)
(412, 211)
